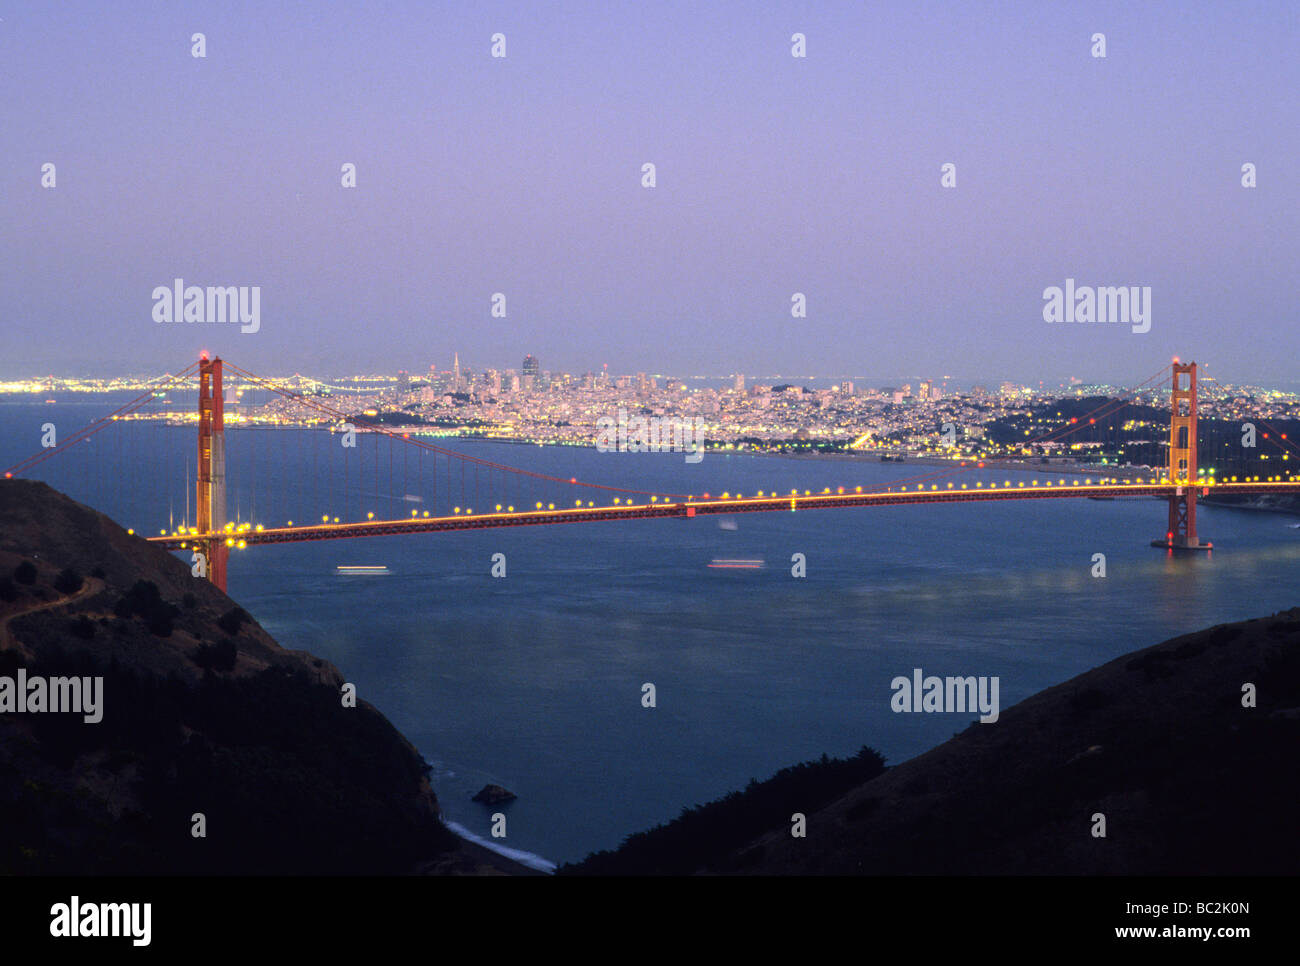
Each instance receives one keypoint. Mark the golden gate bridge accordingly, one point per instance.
(483, 494)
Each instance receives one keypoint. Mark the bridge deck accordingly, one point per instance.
(693, 507)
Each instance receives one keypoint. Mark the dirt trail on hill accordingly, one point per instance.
(89, 588)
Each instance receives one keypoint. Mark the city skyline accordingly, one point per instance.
(13, 376)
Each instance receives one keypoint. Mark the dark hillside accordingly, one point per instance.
(202, 712)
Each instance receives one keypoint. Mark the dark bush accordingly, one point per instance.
(217, 657)
(98, 572)
(68, 581)
(144, 600)
(188, 602)
(83, 627)
(232, 620)
(25, 573)
(7, 589)
(160, 625)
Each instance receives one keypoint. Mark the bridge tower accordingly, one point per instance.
(211, 484)
(1182, 470)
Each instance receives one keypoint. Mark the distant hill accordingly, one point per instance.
(1190, 782)
(202, 713)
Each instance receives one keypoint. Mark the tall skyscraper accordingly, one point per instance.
(529, 367)
(455, 374)
(739, 384)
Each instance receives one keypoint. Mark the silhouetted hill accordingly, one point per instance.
(202, 713)
(1190, 782)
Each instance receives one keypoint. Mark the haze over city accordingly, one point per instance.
(775, 175)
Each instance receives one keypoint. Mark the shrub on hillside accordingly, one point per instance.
(232, 620)
(144, 601)
(68, 581)
(83, 627)
(216, 657)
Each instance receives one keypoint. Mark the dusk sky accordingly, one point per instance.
(775, 175)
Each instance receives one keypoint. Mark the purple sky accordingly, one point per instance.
(775, 175)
